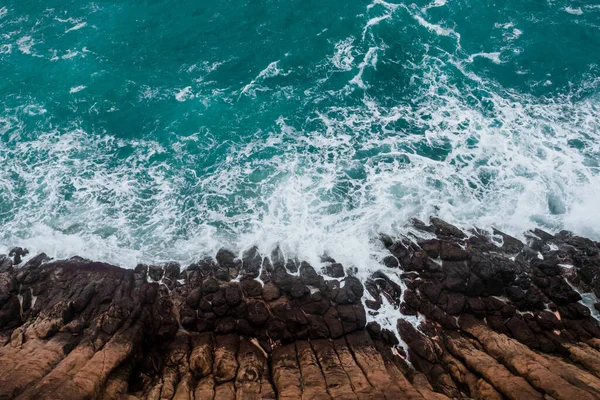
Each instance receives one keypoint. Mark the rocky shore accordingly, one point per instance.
(496, 319)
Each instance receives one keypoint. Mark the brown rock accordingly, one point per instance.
(201, 358)
(225, 364)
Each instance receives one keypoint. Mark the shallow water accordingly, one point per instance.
(161, 130)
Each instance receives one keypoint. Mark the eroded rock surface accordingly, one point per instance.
(475, 315)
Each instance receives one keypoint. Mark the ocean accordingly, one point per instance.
(159, 130)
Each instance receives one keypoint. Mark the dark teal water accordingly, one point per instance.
(155, 130)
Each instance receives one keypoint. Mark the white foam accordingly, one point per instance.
(434, 4)
(77, 27)
(70, 54)
(574, 11)
(76, 89)
(184, 94)
(343, 58)
(3, 12)
(25, 44)
(372, 22)
(437, 29)
(494, 57)
(328, 186)
(270, 71)
(6, 48)
(370, 59)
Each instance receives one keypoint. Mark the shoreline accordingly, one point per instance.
(468, 318)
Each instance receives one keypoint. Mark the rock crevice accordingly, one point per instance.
(498, 319)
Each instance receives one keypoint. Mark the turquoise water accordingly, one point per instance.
(160, 130)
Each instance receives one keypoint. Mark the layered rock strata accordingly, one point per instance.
(476, 315)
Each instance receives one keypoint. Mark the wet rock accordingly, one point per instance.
(350, 292)
(210, 285)
(450, 251)
(251, 263)
(490, 324)
(257, 313)
(270, 292)
(155, 272)
(5, 263)
(309, 276)
(251, 288)
(444, 229)
(17, 254)
(36, 261)
(391, 262)
(510, 244)
(334, 270)
(226, 259)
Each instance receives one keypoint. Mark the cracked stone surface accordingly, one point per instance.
(498, 319)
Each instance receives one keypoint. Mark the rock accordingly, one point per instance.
(444, 229)
(270, 292)
(226, 259)
(450, 251)
(233, 294)
(251, 263)
(5, 263)
(351, 291)
(334, 270)
(491, 324)
(17, 254)
(390, 262)
(225, 365)
(309, 276)
(258, 313)
(251, 288)
(36, 261)
(510, 244)
(155, 272)
(201, 357)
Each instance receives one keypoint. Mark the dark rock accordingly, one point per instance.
(443, 228)
(36, 261)
(258, 313)
(515, 293)
(417, 223)
(317, 328)
(386, 240)
(223, 274)
(450, 251)
(298, 289)
(251, 263)
(431, 247)
(270, 292)
(309, 276)
(233, 294)
(251, 288)
(210, 285)
(391, 262)
(334, 270)
(522, 332)
(155, 272)
(5, 263)
(172, 271)
(351, 291)
(193, 298)
(226, 259)
(291, 266)
(281, 278)
(17, 253)
(384, 285)
(510, 244)
(277, 259)
(225, 325)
